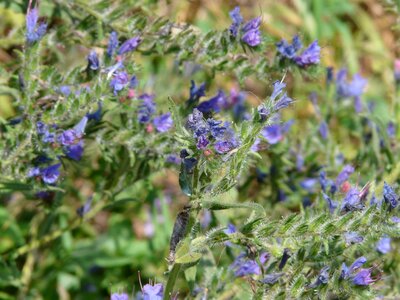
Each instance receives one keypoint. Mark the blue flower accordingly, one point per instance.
(358, 263)
(65, 90)
(331, 204)
(173, 159)
(117, 296)
(308, 184)
(323, 277)
(251, 32)
(391, 129)
(212, 104)
(278, 89)
(93, 61)
(237, 19)
(202, 142)
(216, 130)
(80, 127)
(68, 137)
(353, 238)
(344, 174)
(323, 130)
(50, 174)
(146, 109)
(230, 228)
(75, 151)
(243, 266)
(363, 277)
(263, 112)
(196, 92)
(227, 142)
(353, 89)
(274, 133)
(389, 196)
(34, 32)
(383, 245)
(310, 56)
(189, 164)
(119, 81)
(352, 201)
(163, 123)
(129, 45)
(195, 120)
(112, 44)
(153, 292)
(96, 116)
(285, 257)
(289, 50)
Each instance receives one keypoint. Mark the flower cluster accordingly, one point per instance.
(250, 32)
(310, 56)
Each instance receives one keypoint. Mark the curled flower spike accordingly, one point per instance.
(34, 32)
(146, 109)
(129, 45)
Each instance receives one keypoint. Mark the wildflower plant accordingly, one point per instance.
(235, 199)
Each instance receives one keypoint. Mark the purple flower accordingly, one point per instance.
(173, 159)
(289, 50)
(323, 277)
(163, 123)
(353, 89)
(146, 109)
(223, 146)
(243, 266)
(252, 37)
(133, 82)
(119, 81)
(230, 228)
(96, 116)
(358, 263)
(75, 151)
(196, 92)
(331, 204)
(65, 90)
(353, 238)
(216, 130)
(274, 133)
(383, 245)
(389, 196)
(310, 56)
(112, 44)
(153, 292)
(33, 172)
(93, 60)
(278, 88)
(308, 184)
(117, 296)
(251, 32)
(263, 112)
(80, 127)
(282, 102)
(395, 219)
(391, 129)
(212, 104)
(344, 174)
(351, 201)
(50, 174)
(202, 142)
(41, 128)
(34, 32)
(195, 119)
(363, 277)
(129, 45)
(285, 257)
(237, 19)
(68, 137)
(228, 141)
(323, 130)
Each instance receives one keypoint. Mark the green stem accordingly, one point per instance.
(173, 275)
